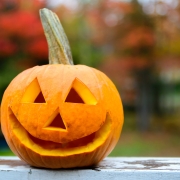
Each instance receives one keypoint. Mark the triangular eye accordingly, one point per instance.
(55, 122)
(33, 93)
(80, 93)
(40, 98)
(74, 97)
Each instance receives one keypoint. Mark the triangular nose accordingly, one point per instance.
(55, 121)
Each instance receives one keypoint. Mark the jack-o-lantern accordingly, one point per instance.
(61, 115)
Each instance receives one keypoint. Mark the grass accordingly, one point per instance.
(6, 152)
(162, 140)
(157, 144)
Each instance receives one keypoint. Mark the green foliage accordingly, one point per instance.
(85, 53)
(83, 50)
(6, 152)
(7, 73)
(22, 42)
(152, 143)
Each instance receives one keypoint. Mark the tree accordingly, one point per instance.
(126, 33)
(140, 42)
(22, 41)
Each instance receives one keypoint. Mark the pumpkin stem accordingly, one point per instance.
(59, 49)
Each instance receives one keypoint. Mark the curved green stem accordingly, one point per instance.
(59, 49)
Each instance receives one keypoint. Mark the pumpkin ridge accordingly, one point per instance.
(16, 151)
(95, 76)
(111, 87)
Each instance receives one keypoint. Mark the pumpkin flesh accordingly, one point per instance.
(95, 126)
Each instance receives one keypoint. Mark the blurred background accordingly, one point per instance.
(135, 42)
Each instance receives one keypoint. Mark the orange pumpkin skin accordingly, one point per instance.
(91, 129)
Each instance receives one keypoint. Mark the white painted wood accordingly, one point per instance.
(12, 168)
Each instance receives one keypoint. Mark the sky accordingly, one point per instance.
(69, 3)
(74, 4)
(149, 6)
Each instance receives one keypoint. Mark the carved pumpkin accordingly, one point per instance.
(61, 115)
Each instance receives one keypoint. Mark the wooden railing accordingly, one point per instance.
(12, 168)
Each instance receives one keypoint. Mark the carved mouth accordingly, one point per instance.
(85, 144)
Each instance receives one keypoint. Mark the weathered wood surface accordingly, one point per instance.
(110, 168)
